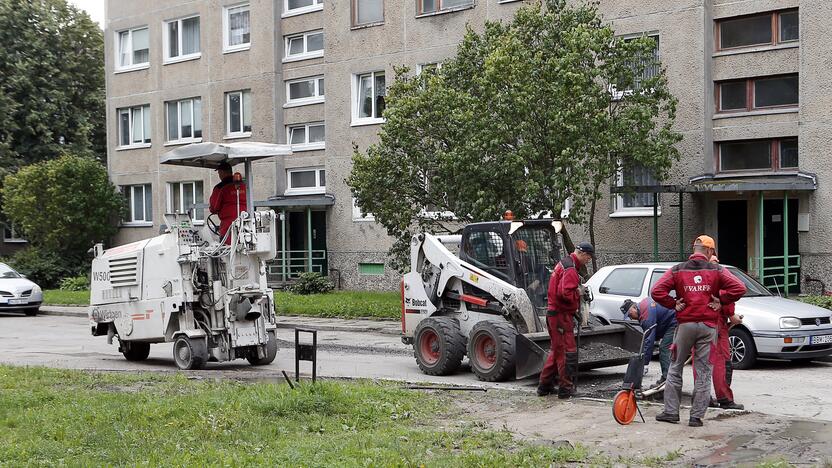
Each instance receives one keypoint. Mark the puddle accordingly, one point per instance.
(731, 454)
(817, 431)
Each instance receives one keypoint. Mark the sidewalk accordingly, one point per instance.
(323, 324)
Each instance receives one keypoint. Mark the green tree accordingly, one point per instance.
(51, 82)
(63, 205)
(527, 115)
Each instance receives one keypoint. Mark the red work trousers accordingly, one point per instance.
(562, 334)
(720, 360)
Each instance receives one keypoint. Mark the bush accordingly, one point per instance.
(311, 283)
(44, 267)
(820, 301)
(75, 283)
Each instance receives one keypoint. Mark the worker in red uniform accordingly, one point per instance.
(228, 199)
(563, 304)
(696, 282)
(721, 357)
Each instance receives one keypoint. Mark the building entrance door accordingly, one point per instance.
(732, 232)
(773, 246)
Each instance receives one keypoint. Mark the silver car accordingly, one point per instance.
(773, 327)
(18, 293)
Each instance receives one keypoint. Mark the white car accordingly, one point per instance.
(18, 293)
(773, 327)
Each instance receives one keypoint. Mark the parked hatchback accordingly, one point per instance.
(18, 293)
(773, 327)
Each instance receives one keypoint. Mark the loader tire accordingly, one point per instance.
(491, 350)
(135, 350)
(439, 345)
(271, 352)
(190, 354)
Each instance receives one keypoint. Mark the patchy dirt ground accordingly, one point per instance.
(729, 438)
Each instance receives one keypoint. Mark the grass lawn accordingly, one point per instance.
(59, 417)
(344, 304)
(61, 297)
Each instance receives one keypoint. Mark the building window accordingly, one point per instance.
(755, 30)
(305, 91)
(366, 12)
(304, 137)
(304, 46)
(133, 48)
(140, 201)
(238, 113)
(371, 269)
(182, 196)
(649, 67)
(10, 234)
(635, 204)
(368, 102)
(435, 6)
(134, 126)
(297, 7)
(182, 39)
(305, 181)
(758, 93)
(184, 120)
(359, 215)
(755, 155)
(236, 28)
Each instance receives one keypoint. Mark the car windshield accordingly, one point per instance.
(7, 272)
(753, 288)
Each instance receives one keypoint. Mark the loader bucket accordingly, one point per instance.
(600, 346)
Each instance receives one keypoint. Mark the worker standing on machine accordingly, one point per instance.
(564, 301)
(228, 199)
(649, 313)
(696, 281)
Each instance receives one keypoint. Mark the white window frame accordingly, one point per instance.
(180, 140)
(242, 133)
(307, 145)
(15, 237)
(441, 9)
(620, 211)
(316, 99)
(170, 209)
(317, 5)
(306, 54)
(119, 68)
(359, 216)
(354, 16)
(166, 41)
(422, 66)
(132, 221)
(226, 38)
(356, 80)
(144, 108)
(317, 189)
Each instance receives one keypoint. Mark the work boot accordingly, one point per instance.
(731, 405)
(668, 418)
(713, 403)
(695, 422)
(543, 390)
(566, 393)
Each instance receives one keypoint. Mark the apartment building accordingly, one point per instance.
(313, 73)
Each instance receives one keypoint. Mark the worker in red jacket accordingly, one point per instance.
(696, 282)
(564, 300)
(721, 357)
(228, 199)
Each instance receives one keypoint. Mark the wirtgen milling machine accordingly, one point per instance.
(206, 294)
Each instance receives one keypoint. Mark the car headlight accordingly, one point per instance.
(36, 289)
(790, 322)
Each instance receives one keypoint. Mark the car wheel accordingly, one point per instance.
(742, 348)
(438, 345)
(31, 312)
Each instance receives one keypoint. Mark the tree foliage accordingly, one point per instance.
(63, 205)
(524, 117)
(51, 82)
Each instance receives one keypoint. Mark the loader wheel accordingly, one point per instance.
(134, 350)
(271, 352)
(491, 350)
(439, 345)
(190, 354)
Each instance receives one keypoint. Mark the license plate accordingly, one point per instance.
(18, 301)
(821, 339)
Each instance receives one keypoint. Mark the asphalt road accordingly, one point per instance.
(774, 387)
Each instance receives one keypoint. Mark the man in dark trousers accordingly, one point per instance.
(696, 282)
(649, 313)
(228, 199)
(563, 304)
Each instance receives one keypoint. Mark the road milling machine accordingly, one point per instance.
(489, 302)
(208, 295)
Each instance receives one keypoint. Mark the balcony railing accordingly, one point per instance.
(296, 262)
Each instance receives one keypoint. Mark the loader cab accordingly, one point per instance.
(523, 253)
